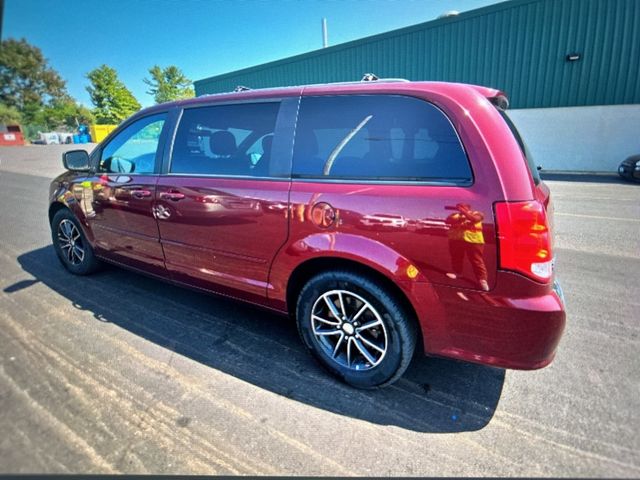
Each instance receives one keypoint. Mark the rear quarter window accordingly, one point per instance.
(523, 146)
(377, 137)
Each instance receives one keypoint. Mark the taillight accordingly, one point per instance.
(524, 239)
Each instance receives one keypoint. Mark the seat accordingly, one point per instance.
(378, 161)
(223, 147)
(306, 161)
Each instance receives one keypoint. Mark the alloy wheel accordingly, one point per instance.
(70, 242)
(349, 330)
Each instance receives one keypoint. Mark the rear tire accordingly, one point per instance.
(71, 245)
(356, 328)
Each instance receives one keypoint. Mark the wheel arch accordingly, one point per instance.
(314, 266)
(54, 208)
(57, 206)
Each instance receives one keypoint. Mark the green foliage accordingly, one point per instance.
(114, 102)
(27, 83)
(64, 114)
(32, 93)
(168, 84)
(9, 115)
(32, 132)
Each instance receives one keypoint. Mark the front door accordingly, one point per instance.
(222, 207)
(120, 210)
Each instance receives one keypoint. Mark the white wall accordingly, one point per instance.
(588, 139)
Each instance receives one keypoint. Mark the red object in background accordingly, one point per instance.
(11, 135)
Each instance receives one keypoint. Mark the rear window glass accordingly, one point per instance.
(377, 137)
(523, 146)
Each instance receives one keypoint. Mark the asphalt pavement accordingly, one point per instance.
(117, 372)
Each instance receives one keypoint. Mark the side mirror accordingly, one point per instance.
(76, 160)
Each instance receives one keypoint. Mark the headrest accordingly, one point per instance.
(223, 143)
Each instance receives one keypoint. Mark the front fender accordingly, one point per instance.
(65, 192)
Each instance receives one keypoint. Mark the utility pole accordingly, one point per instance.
(1, 16)
(325, 37)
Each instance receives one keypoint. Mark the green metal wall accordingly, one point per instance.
(518, 46)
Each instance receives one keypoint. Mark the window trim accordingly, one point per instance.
(372, 181)
(225, 176)
(398, 182)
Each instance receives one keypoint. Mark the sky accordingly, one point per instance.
(202, 37)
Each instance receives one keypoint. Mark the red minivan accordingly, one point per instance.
(385, 216)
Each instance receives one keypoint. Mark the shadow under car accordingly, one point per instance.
(435, 395)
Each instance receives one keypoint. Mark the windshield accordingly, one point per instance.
(523, 146)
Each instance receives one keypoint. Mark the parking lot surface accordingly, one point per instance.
(117, 372)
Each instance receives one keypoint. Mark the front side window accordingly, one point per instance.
(377, 137)
(134, 149)
(225, 140)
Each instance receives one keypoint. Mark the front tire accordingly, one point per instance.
(71, 245)
(356, 328)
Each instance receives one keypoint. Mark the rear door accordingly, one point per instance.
(222, 206)
(119, 202)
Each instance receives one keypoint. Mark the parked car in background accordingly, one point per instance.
(384, 216)
(54, 138)
(629, 169)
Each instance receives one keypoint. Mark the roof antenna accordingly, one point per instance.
(369, 77)
(241, 88)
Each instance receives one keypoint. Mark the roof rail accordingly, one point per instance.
(369, 77)
(372, 77)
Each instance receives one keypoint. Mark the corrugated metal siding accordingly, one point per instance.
(518, 46)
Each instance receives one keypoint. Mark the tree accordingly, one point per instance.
(27, 82)
(9, 115)
(113, 100)
(64, 113)
(168, 84)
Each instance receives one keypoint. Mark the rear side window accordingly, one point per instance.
(225, 140)
(523, 146)
(377, 137)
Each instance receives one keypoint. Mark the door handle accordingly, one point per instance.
(140, 193)
(175, 196)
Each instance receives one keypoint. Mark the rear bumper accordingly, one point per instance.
(500, 328)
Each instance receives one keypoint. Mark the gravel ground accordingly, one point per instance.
(121, 373)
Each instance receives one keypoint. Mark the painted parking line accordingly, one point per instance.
(598, 217)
